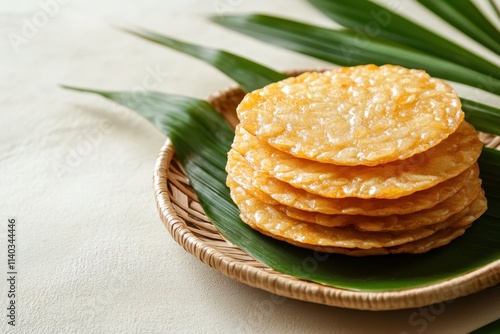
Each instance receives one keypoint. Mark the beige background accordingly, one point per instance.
(93, 255)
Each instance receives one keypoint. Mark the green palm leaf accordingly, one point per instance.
(465, 16)
(483, 117)
(489, 163)
(201, 138)
(495, 8)
(373, 20)
(347, 49)
(226, 62)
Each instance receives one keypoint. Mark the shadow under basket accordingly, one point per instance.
(185, 220)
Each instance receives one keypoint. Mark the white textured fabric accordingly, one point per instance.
(93, 255)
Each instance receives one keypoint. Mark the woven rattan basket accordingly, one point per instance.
(185, 220)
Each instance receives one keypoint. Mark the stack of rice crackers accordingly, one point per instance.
(362, 160)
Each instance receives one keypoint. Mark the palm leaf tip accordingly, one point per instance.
(83, 90)
(224, 61)
(159, 107)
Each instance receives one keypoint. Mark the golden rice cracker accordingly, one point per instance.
(270, 221)
(438, 239)
(261, 196)
(436, 214)
(362, 115)
(238, 176)
(273, 191)
(391, 180)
